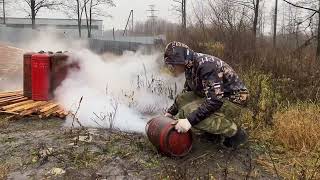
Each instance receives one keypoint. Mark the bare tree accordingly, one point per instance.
(95, 8)
(256, 6)
(75, 9)
(3, 11)
(181, 8)
(201, 16)
(36, 5)
(315, 11)
(79, 15)
(275, 24)
(253, 5)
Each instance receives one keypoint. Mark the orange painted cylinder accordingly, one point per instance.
(162, 134)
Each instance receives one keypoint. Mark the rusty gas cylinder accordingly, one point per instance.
(27, 83)
(166, 139)
(59, 69)
(40, 74)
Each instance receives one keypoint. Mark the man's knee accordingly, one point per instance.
(185, 98)
(231, 130)
(217, 124)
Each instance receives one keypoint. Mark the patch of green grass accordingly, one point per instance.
(8, 140)
(151, 163)
(83, 159)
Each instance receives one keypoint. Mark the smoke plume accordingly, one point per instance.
(119, 92)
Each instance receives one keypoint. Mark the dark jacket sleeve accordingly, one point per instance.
(186, 87)
(212, 86)
(173, 110)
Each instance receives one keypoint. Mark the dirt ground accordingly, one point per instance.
(43, 149)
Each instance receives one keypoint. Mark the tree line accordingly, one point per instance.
(79, 9)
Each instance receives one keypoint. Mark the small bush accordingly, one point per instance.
(213, 48)
(297, 128)
(264, 99)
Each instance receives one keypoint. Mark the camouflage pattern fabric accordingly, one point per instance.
(211, 78)
(220, 122)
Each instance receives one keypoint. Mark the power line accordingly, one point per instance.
(153, 17)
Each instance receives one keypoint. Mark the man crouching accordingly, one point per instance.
(213, 94)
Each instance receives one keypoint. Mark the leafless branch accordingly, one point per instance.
(298, 6)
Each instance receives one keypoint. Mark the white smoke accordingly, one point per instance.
(119, 91)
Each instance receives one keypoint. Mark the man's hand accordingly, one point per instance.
(182, 125)
(169, 115)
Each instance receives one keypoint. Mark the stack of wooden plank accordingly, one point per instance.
(16, 104)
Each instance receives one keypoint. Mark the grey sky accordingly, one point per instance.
(121, 12)
(140, 7)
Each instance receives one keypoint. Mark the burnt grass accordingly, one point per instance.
(30, 148)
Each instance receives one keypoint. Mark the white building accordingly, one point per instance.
(67, 27)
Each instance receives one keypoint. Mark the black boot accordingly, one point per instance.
(213, 138)
(235, 141)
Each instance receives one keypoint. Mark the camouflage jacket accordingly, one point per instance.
(213, 79)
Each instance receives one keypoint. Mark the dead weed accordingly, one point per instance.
(4, 170)
(297, 128)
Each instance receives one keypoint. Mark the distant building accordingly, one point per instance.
(68, 27)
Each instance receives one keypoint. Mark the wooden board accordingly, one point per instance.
(10, 94)
(15, 104)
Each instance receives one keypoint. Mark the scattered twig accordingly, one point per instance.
(75, 114)
(226, 169)
(273, 163)
(250, 166)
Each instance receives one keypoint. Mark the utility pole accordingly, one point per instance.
(130, 16)
(152, 17)
(275, 24)
(4, 12)
(184, 14)
(132, 26)
(318, 38)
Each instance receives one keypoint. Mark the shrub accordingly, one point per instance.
(264, 99)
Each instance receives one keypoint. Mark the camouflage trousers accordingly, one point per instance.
(220, 122)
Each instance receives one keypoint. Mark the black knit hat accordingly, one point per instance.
(177, 53)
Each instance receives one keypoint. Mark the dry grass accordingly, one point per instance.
(297, 128)
(4, 171)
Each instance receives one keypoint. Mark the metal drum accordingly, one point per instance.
(27, 83)
(40, 74)
(60, 68)
(166, 139)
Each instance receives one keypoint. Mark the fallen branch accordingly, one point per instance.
(273, 163)
(298, 6)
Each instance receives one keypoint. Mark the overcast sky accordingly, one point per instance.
(121, 12)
